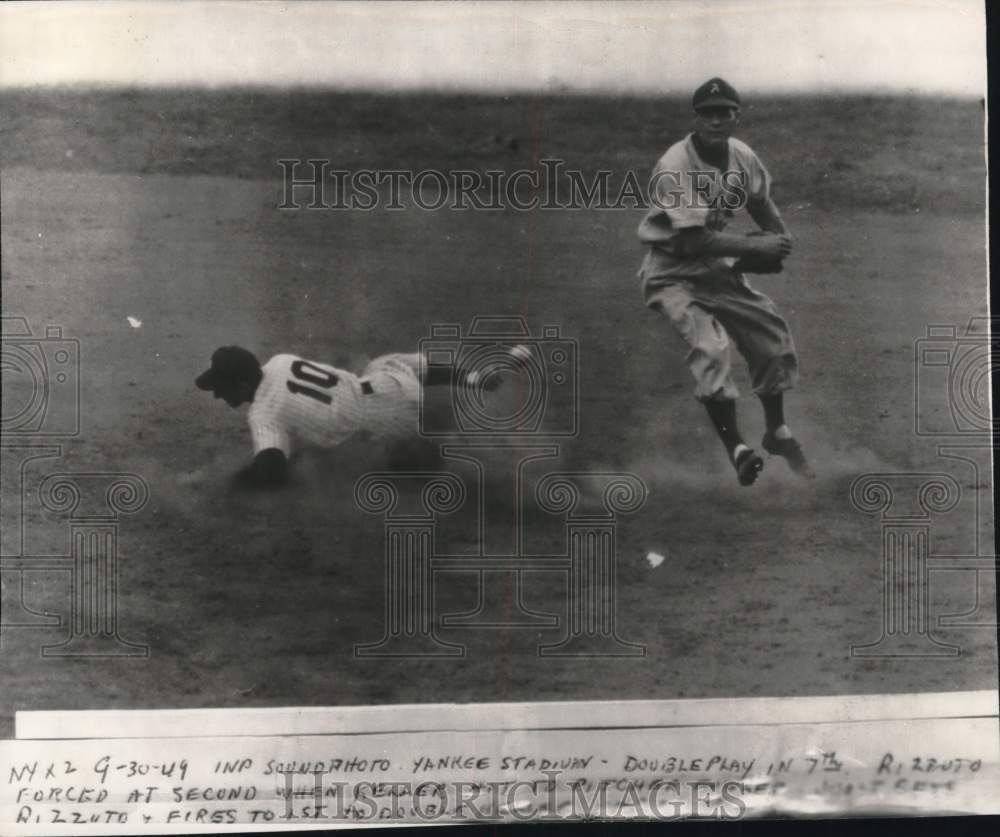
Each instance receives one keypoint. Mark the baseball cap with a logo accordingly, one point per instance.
(716, 92)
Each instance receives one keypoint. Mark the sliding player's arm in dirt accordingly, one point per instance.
(269, 469)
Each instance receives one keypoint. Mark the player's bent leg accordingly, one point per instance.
(772, 376)
(708, 359)
(708, 356)
(712, 372)
(779, 372)
(767, 346)
(778, 439)
(764, 340)
(762, 337)
(746, 461)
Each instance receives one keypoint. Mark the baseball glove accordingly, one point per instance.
(756, 263)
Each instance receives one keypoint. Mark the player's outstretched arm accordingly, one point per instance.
(765, 214)
(437, 376)
(269, 469)
(488, 380)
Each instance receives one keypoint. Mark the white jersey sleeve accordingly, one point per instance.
(269, 436)
(756, 179)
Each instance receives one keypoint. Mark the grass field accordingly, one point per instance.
(162, 206)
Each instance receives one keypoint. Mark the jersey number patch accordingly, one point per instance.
(310, 373)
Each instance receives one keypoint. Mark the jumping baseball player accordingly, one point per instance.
(693, 273)
(296, 403)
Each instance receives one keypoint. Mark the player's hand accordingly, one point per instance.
(771, 245)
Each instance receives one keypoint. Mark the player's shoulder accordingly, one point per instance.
(279, 363)
(677, 156)
(742, 151)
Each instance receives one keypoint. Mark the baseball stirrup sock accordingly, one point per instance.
(774, 410)
(723, 416)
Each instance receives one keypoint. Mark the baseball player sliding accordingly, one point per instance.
(694, 272)
(296, 402)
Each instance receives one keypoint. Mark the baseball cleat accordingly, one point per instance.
(748, 465)
(791, 450)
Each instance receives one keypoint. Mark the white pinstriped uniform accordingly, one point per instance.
(304, 403)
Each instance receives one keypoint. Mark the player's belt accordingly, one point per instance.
(366, 387)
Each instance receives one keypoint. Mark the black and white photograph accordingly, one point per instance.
(549, 410)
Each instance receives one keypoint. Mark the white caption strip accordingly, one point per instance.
(410, 765)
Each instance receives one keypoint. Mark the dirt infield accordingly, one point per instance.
(254, 600)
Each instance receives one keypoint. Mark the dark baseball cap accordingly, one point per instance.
(228, 363)
(716, 92)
